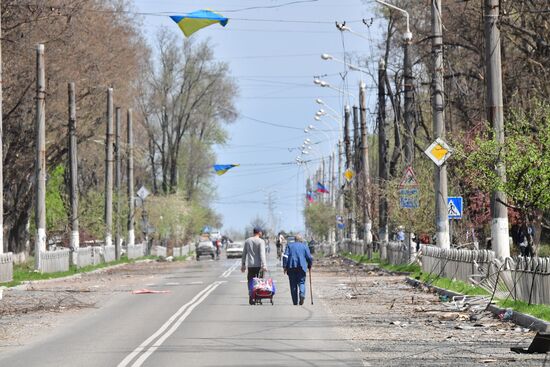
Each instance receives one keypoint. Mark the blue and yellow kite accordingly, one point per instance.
(196, 20)
(220, 169)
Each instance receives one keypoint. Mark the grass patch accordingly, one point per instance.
(363, 259)
(538, 311)
(457, 286)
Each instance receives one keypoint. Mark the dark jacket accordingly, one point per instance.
(297, 255)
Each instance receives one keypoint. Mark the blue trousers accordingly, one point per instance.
(297, 279)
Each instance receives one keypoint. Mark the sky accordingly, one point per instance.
(273, 48)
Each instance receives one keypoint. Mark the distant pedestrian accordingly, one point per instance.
(254, 257)
(296, 261)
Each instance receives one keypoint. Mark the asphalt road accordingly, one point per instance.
(204, 320)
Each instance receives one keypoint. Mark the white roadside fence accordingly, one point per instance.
(55, 261)
(6, 267)
(522, 278)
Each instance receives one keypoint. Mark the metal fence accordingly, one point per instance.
(454, 263)
(54, 261)
(6, 267)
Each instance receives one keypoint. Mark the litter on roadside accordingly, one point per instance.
(148, 291)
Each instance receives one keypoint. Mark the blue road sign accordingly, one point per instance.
(408, 198)
(454, 207)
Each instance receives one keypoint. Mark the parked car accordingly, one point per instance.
(205, 248)
(234, 249)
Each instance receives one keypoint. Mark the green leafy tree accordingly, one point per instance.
(320, 218)
(526, 155)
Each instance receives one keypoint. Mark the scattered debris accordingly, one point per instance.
(351, 296)
(506, 315)
(540, 344)
(148, 291)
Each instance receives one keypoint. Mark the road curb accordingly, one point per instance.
(518, 318)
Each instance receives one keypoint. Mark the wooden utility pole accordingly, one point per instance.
(73, 167)
(130, 168)
(438, 108)
(365, 168)
(109, 170)
(118, 173)
(383, 161)
(40, 163)
(495, 115)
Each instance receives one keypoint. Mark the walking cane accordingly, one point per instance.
(310, 289)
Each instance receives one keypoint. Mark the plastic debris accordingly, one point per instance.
(506, 315)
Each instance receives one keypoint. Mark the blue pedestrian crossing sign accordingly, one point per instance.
(454, 207)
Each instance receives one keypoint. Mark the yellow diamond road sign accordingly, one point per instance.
(438, 151)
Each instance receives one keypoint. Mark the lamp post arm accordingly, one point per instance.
(408, 35)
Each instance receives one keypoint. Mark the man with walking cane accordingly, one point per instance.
(296, 261)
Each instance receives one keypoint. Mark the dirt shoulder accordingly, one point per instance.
(394, 324)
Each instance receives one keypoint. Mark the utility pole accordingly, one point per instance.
(73, 166)
(383, 161)
(118, 173)
(438, 106)
(109, 170)
(1, 143)
(348, 192)
(357, 169)
(365, 168)
(130, 168)
(339, 197)
(409, 108)
(495, 115)
(40, 163)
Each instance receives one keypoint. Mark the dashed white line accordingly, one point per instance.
(168, 328)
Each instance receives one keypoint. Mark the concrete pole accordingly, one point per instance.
(118, 178)
(409, 107)
(383, 161)
(365, 168)
(130, 168)
(40, 163)
(348, 193)
(73, 167)
(1, 151)
(438, 105)
(495, 115)
(340, 198)
(357, 169)
(109, 170)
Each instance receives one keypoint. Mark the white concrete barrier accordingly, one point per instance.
(136, 251)
(109, 253)
(6, 267)
(55, 261)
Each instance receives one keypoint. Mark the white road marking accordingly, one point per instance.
(228, 272)
(175, 320)
(199, 282)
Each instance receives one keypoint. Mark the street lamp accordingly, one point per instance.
(324, 84)
(351, 66)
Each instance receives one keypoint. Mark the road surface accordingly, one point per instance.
(204, 320)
